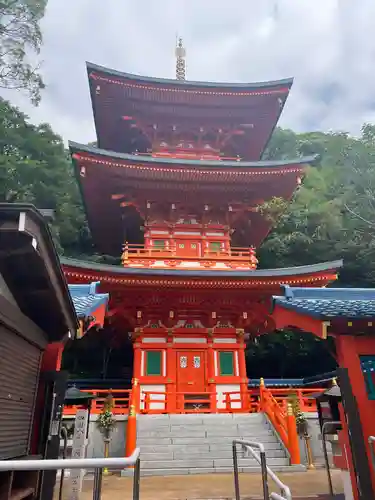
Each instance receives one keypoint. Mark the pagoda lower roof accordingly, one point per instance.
(315, 274)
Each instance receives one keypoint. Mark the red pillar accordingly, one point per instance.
(211, 375)
(349, 348)
(244, 380)
(51, 361)
(170, 386)
(52, 357)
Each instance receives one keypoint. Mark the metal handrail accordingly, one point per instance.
(64, 436)
(371, 441)
(324, 442)
(261, 459)
(81, 463)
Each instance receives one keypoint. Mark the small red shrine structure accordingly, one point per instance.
(173, 189)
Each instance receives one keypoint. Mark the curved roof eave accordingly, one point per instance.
(76, 148)
(259, 273)
(183, 83)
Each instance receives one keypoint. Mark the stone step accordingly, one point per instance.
(187, 419)
(189, 463)
(199, 447)
(194, 427)
(202, 433)
(264, 437)
(218, 470)
(193, 454)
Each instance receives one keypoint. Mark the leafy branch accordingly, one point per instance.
(20, 40)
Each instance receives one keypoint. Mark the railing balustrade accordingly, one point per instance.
(98, 464)
(248, 401)
(283, 421)
(121, 399)
(137, 251)
(266, 471)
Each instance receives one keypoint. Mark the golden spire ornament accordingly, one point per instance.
(180, 62)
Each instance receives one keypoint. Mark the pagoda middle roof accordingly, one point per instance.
(201, 164)
(108, 176)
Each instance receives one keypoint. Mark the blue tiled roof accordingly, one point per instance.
(327, 303)
(277, 382)
(86, 300)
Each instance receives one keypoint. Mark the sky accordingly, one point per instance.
(328, 46)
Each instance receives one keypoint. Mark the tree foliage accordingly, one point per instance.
(20, 41)
(35, 168)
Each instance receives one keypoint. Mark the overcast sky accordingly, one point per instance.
(327, 45)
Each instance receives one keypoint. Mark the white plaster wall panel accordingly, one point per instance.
(221, 389)
(157, 401)
(189, 340)
(154, 340)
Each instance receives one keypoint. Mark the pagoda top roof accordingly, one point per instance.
(201, 164)
(258, 273)
(181, 84)
(133, 112)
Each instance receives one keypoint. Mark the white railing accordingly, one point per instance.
(266, 471)
(98, 464)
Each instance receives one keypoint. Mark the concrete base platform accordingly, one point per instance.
(311, 485)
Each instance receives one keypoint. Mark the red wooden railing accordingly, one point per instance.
(121, 399)
(283, 421)
(175, 402)
(136, 251)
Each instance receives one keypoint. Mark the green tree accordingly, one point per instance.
(20, 40)
(35, 168)
(331, 214)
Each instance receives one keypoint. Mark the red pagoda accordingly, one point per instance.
(173, 189)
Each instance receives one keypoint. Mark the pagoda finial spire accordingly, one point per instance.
(180, 63)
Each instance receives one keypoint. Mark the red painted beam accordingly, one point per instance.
(286, 317)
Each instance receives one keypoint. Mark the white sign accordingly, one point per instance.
(78, 451)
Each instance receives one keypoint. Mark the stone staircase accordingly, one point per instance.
(202, 443)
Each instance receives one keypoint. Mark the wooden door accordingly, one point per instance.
(191, 372)
(187, 248)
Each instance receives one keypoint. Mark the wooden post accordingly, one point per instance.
(261, 390)
(131, 432)
(135, 398)
(310, 460)
(293, 440)
(106, 455)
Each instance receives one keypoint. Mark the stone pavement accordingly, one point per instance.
(212, 486)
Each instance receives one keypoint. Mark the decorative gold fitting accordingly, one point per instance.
(135, 382)
(261, 382)
(334, 381)
(132, 411)
(289, 410)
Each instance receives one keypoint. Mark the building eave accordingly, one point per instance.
(287, 82)
(233, 274)
(198, 164)
(22, 225)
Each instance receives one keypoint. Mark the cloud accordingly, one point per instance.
(327, 45)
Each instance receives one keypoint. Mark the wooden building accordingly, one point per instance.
(37, 316)
(173, 190)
